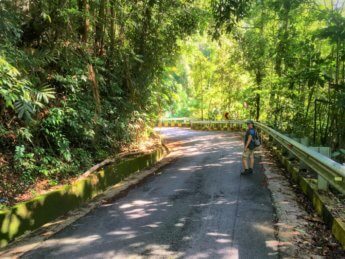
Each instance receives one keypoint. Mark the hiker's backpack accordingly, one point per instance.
(257, 141)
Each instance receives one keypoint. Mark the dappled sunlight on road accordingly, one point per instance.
(197, 207)
(191, 168)
(125, 234)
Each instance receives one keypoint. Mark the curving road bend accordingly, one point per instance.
(197, 207)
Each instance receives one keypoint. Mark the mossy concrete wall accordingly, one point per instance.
(201, 126)
(322, 204)
(32, 214)
(217, 126)
(183, 124)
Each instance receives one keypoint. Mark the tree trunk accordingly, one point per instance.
(95, 88)
(84, 9)
(112, 26)
(258, 97)
(99, 28)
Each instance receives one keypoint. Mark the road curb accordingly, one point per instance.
(321, 203)
(288, 230)
(29, 241)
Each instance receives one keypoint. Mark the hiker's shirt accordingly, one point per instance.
(250, 132)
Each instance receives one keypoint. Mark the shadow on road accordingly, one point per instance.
(197, 207)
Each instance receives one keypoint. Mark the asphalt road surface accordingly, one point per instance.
(197, 207)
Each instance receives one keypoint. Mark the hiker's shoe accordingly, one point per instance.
(245, 172)
(250, 170)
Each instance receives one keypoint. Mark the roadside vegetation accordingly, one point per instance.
(82, 80)
(278, 61)
(77, 81)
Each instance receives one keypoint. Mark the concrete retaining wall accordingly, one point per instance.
(215, 126)
(32, 214)
(200, 126)
(321, 202)
(173, 124)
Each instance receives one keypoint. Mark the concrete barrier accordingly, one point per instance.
(32, 214)
(322, 203)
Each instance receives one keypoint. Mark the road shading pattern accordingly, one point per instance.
(197, 207)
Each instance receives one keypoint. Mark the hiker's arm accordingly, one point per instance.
(248, 142)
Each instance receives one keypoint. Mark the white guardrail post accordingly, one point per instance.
(327, 169)
(329, 172)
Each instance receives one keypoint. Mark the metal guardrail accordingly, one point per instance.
(175, 119)
(327, 169)
(172, 122)
(218, 122)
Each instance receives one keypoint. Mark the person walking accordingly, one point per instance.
(249, 148)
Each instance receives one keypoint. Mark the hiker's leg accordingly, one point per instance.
(252, 159)
(245, 159)
(244, 163)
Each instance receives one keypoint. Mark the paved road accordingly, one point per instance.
(197, 207)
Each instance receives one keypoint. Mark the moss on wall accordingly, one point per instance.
(32, 214)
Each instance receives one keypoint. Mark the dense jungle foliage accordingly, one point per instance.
(281, 62)
(80, 79)
(77, 80)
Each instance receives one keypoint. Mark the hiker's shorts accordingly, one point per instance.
(248, 153)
